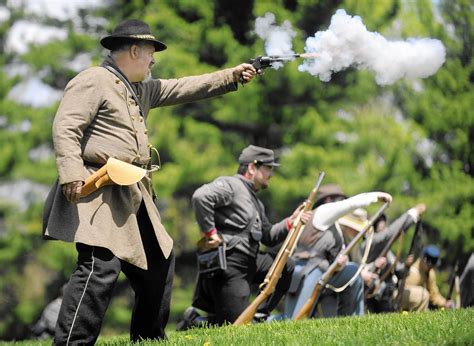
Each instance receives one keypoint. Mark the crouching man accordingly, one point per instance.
(230, 214)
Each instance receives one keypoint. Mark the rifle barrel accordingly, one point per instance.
(401, 283)
(273, 275)
(452, 279)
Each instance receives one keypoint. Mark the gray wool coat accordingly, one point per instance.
(97, 119)
(230, 204)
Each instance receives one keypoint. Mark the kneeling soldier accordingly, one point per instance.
(229, 213)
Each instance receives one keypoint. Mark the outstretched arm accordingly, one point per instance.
(327, 214)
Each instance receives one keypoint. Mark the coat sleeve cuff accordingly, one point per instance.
(70, 170)
(229, 80)
(210, 233)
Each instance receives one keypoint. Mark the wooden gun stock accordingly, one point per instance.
(271, 279)
(307, 308)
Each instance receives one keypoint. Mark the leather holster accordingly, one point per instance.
(113, 172)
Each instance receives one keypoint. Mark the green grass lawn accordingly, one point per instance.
(430, 328)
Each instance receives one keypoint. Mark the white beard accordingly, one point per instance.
(148, 76)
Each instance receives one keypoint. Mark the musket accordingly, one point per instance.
(307, 308)
(267, 287)
(452, 280)
(376, 283)
(262, 62)
(401, 285)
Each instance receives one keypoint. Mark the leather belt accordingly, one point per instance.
(98, 165)
(93, 164)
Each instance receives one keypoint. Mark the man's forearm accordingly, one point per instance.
(327, 214)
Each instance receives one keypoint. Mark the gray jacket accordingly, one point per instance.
(381, 238)
(323, 251)
(230, 205)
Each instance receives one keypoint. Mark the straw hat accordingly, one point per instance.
(356, 220)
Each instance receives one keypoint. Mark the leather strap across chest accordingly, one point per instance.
(127, 85)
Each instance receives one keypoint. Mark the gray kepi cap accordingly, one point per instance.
(255, 154)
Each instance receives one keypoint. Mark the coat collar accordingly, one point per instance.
(248, 184)
(109, 61)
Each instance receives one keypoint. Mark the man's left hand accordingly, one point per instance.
(305, 217)
(206, 244)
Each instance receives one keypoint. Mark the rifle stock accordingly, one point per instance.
(271, 279)
(307, 308)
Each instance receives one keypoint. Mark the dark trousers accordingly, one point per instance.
(384, 302)
(226, 294)
(88, 293)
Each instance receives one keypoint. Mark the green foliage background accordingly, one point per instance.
(412, 139)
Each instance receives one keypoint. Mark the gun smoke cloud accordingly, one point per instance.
(278, 39)
(348, 43)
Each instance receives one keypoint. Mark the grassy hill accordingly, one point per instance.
(430, 328)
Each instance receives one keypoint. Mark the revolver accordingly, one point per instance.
(262, 62)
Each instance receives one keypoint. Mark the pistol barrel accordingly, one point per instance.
(289, 57)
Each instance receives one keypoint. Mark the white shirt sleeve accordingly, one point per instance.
(413, 214)
(327, 214)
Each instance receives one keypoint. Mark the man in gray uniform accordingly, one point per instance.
(379, 294)
(331, 228)
(228, 210)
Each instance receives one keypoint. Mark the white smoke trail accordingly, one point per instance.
(277, 38)
(348, 43)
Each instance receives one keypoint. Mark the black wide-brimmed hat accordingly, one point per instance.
(254, 154)
(128, 31)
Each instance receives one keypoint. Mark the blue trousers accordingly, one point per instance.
(330, 304)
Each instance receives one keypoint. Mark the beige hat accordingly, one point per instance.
(356, 220)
